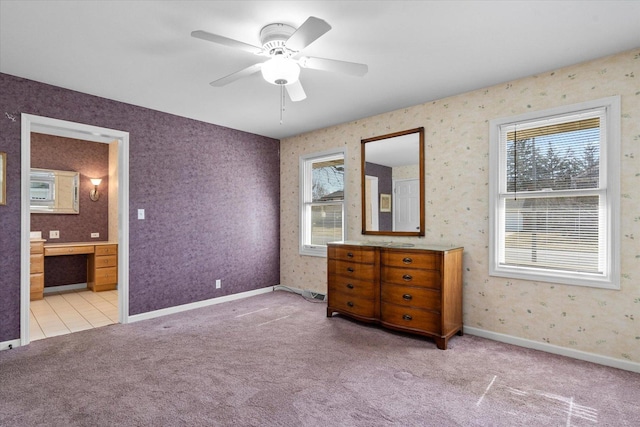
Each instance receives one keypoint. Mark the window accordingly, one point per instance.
(321, 201)
(554, 190)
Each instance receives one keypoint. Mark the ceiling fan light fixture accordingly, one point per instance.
(280, 70)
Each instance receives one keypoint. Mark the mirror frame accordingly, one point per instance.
(363, 142)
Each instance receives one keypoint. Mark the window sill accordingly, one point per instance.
(585, 280)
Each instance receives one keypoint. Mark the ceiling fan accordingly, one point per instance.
(281, 45)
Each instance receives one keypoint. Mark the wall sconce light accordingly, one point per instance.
(94, 194)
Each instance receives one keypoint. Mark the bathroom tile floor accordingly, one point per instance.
(72, 311)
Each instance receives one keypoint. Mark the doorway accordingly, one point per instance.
(118, 222)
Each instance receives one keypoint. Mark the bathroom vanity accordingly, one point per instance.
(411, 288)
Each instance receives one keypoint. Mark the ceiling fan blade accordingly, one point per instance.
(225, 41)
(307, 33)
(296, 92)
(237, 75)
(351, 68)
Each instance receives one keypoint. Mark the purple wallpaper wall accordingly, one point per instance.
(211, 196)
(91, 160)
(385, 186)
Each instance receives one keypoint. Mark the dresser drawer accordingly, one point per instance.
(411, 276)
(352, 254)
(106, 261)
(354, 270)
(353, 287)
(412, 318)
(36, 247)
(36, 282)
(68, 250)
(404, 259)
(106, 250)
(352, 304)
(106, 276)
(429, 299)
(36, 263)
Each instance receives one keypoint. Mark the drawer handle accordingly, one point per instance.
(350, 304)
(350, 254)
(349, 285)
(407, 260)
(350, 270)
(407, 277)
(407, 297)
(406, 317)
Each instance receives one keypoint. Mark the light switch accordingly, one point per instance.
(54, 234)
(140, 213)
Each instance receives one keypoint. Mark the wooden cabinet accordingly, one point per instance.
(102, 262)
(416, 290)
(36, 269)
(102, 268)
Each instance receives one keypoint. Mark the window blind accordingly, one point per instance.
(553, 203)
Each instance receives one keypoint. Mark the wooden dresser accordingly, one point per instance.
(411, 288)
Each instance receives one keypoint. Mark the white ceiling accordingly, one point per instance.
(141, 52)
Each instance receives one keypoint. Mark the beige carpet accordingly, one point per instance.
(277, 360)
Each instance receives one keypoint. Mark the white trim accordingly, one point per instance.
(554, 349)
(8, 345)
(64, 288)
(80, 131)
(320, 251)
(375, 218)
(198, 304)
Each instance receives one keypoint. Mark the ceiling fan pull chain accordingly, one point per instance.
(281, 102)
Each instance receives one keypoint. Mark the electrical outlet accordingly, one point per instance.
(140, 213)
(94, 235)
(218, 284)
(54, 234)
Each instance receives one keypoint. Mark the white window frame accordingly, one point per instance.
(609, 187)
(306, 180)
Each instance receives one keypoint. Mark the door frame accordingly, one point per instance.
(89, 133)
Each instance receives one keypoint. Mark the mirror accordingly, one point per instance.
(393, 184)
(54, 191)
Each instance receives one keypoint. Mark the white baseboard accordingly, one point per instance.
(550, 348)
(63, 288)
(7, 345)
(198, 304)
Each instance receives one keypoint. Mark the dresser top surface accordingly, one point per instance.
(397, 245)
